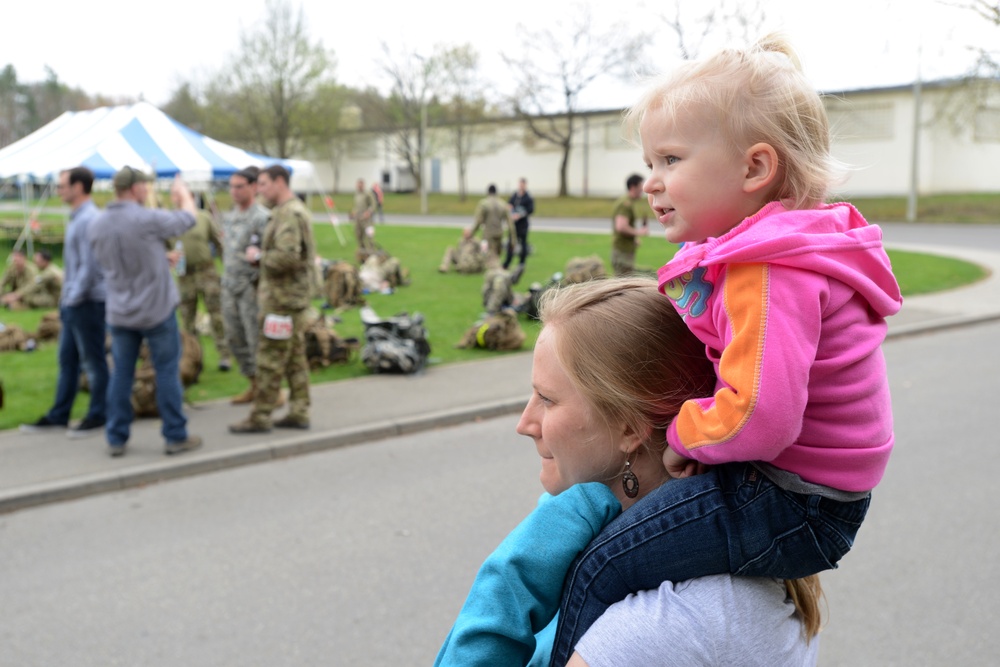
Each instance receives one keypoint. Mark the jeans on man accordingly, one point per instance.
(732, 519)
(81, 345)
(164, 343)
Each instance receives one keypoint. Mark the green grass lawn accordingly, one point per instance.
(449, 302)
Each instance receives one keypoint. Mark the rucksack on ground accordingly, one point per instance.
(342, 286)
(582, 269)
(324, 346)
(398, 344)
(498, 290)
(144, 382)
(499, 331)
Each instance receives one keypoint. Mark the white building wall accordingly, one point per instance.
(872, 134)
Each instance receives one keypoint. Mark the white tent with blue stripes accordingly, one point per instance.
(138, 135)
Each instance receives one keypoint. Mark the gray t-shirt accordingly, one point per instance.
(715, 621)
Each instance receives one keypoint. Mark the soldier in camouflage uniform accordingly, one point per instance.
(468, 257)
(493, 216)
(625, 233)
(361, 214)
(286, 258)
(243, 227)
(18, 273)
(43, 290)
(200, 278)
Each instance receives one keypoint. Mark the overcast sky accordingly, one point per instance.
(124, 48)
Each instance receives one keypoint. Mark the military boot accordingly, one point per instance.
(249, 425)
(247, 396)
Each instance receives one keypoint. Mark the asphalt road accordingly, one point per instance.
(363, 555)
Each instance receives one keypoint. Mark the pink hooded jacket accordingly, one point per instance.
(791, 306)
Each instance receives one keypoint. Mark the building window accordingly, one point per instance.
(860, 122)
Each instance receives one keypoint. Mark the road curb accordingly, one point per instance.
(204, 462)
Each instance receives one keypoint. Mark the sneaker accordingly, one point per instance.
(43, 425)
(88, 427)
(192, 442)
(116, 450)
(289, 421)
(247, 426)
(225, 365)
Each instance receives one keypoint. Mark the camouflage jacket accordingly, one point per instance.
(287, 262)
(14, 280)
(48, 282)
(238, 227)
(494, 217)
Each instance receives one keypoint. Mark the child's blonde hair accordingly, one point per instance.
(755, 95)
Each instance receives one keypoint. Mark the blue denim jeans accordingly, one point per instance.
(731, 519)
(81, 345)
(164, 342)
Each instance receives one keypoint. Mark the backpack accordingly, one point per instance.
(13, 337)
(500, 331)
(144, 383)
(49, 327)
(342, 286)
(396, 345)
(325, 347)
(582, 269)
(498, 290)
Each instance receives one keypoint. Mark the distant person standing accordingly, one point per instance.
(493, 216)
(624, 232)
(128, 242)
(243, 227)
(361, 214)
(521, 207)
(286, 256)
(199, 278)
(379, 196)
(81, 311)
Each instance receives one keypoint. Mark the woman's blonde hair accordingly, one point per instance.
(755, 95)
(635, 361)
(627, 351)
(807, 594)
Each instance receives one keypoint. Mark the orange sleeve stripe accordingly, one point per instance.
(745, 294)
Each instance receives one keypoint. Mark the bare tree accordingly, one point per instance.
(554, 65)
(728, 20)
(988, 61)
(415, 78)
(268, 90)
(464, 102)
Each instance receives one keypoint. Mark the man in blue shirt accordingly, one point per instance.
(81, 311)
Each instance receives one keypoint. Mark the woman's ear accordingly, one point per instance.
(631, 440)
(762, 168)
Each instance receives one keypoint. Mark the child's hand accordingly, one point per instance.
(679, 467)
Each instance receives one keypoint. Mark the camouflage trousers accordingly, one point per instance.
(205, 283)
(40, 300)
(622, 263)
(277, 359)
(494, 245)
(361, 237)
(239, 315)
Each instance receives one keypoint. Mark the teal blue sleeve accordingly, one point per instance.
(518, 588)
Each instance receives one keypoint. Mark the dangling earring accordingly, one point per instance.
(630, 483)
